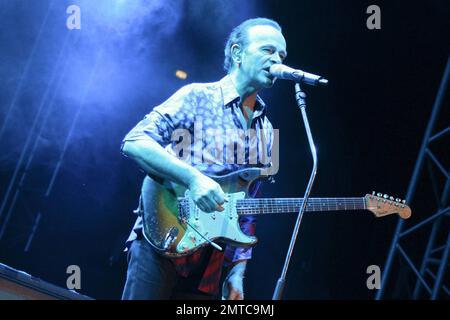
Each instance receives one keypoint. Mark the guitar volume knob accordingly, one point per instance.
(192, 236)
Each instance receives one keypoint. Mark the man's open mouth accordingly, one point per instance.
(267, 70)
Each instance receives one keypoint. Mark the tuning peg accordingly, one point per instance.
(373, 193)
(398, 200)
(379, 194)
(391, 198)
(385, 196)
(404, 201)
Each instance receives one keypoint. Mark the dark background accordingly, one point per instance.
(68, 97)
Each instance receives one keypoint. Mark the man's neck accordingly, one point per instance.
(243, 86)
(247, 92)
(248, 107)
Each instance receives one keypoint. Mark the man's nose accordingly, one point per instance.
(276, 58)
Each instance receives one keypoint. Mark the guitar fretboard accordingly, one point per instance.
(287, 205)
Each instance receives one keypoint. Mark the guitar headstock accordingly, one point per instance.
(383, 205)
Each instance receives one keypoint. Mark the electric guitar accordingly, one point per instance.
(176, 227)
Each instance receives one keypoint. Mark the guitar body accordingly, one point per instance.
(178, 228)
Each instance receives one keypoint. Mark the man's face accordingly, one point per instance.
(265, 47)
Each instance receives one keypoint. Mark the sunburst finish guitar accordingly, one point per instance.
(176, 227)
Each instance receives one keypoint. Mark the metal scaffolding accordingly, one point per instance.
(428, 271)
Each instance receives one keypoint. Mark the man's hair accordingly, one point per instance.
(239, 36)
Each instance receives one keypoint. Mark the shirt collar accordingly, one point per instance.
(230, 94)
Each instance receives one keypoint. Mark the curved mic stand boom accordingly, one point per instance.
(300, 97)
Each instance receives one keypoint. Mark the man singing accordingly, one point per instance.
(231, 103)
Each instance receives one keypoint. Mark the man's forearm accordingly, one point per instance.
(152, 158)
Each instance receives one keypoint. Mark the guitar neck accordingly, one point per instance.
(286, 205)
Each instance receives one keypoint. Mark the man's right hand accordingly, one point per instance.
(206, 193)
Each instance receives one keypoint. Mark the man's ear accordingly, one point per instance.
(236, 53)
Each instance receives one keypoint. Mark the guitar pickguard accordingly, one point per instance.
(202, 227)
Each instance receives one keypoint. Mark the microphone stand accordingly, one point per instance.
(300, 97)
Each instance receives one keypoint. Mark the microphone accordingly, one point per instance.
(287, 73)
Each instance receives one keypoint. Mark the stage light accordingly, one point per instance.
(180, 74)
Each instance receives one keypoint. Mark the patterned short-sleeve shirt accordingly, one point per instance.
(203, 125)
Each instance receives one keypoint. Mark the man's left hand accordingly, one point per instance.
(233, 287)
